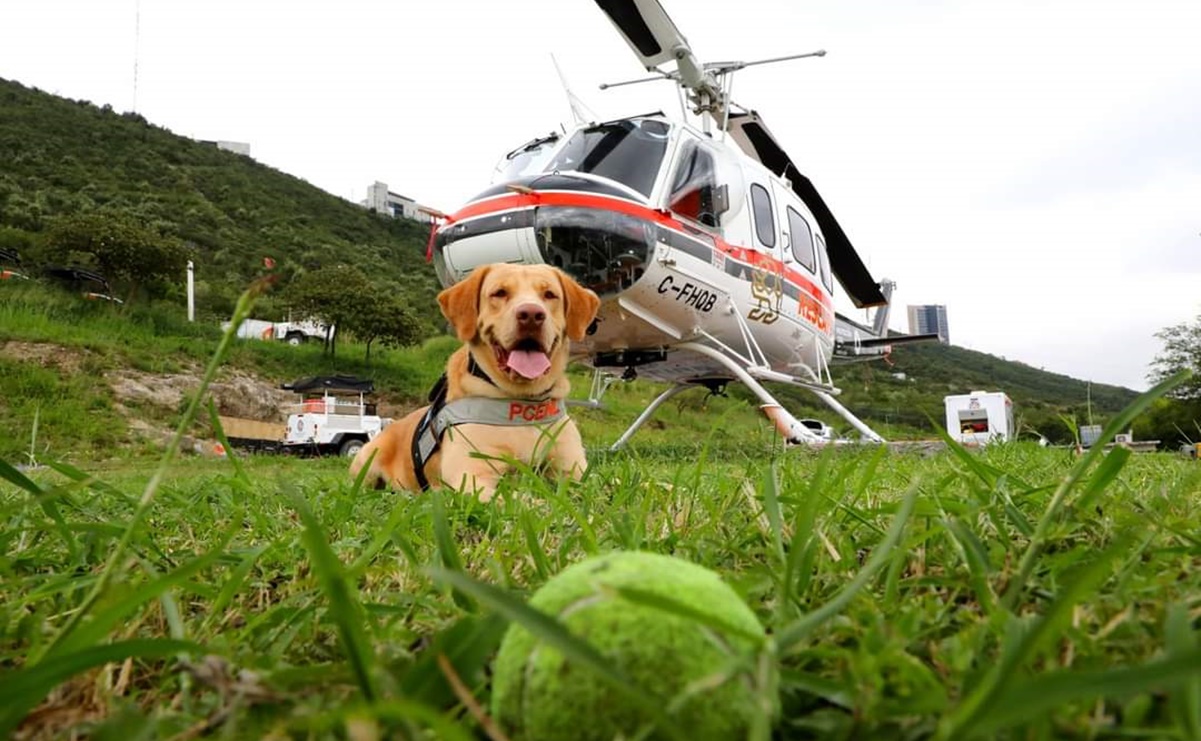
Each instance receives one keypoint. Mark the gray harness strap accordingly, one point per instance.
(478, 410)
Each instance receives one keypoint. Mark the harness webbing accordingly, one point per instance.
(442, 415)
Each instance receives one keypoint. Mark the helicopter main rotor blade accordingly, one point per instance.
(653, 37)
(752, 136)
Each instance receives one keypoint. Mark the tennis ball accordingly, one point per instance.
(704, 674)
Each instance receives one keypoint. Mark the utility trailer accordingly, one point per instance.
(979, 418)
(252, 435)
(333, 417)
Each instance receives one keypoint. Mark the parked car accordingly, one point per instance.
(819, 428)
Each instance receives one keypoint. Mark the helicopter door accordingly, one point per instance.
(695, 192)
(798, 238)
(823, 261)
(767, 236)
(767, 281)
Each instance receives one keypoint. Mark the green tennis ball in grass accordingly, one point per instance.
(680, 634)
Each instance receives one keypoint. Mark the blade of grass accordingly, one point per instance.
(1023, 645)
(975, 556)
(219, 431)
(233, 582)
(468, 643)
(1036, 695)
(1185, 701)
(397, 710)
(1038, 540)
(801, 552)
(989, 475)
(45, 501)
(771, 508)
(796, 632)
(1109, 469)
(537, 552)
(116, 556)
(543, 626)
(448, 551)
(87, 480)
(382, 536)
(343, 608)
(591, 542)
(105, 620)
(22, 689)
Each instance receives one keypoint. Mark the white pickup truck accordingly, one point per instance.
(293, 333)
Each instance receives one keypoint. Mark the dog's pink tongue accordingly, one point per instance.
(528, 363)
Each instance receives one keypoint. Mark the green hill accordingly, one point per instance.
(63, 158)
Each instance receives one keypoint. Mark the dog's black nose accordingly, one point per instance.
(530, 316)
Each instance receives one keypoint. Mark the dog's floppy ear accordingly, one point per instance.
(580, 306)
(461, 303)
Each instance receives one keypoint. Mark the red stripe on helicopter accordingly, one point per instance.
(571, 198)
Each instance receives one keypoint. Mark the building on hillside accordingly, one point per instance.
(381, 200)
(929, 319)
(235, 147)
(242, 148)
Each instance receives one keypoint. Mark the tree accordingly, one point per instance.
(1177, 418)
(1181, 350)
(120, 248)
(333, 295)
(387, 319)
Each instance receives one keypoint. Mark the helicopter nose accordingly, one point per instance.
(530, 317)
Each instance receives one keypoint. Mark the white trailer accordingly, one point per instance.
(334, 416)
(980, 417)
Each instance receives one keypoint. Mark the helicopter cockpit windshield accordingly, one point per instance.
(528, 159)
(629, 151)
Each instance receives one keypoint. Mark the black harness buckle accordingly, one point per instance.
(425, 442)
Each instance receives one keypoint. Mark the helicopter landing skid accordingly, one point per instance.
(789, 428)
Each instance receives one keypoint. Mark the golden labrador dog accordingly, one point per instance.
(503, 395)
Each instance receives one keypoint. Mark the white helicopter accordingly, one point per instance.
(713, 256)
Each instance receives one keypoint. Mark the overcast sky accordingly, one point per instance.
(1033, 165)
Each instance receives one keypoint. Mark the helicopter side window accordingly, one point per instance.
(695, 194)
(765, 223)
(802, 240)
(824, 262)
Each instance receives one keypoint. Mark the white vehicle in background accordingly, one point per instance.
(979, 418)
(334, 416)
(819, 428)
(293, 333)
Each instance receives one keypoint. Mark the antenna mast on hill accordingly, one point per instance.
(137, 39)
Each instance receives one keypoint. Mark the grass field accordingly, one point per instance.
(906, 596)
(1017, 591)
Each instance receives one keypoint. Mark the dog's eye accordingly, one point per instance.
(549, 295)
(499, 293)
